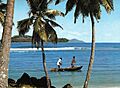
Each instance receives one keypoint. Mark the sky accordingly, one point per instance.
(107, 29)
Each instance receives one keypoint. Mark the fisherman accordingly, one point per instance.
(59, 62)
(73, 62)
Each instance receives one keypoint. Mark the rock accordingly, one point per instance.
(26, 86)
(25, 79)
(42, 82)
(67, 86)
(11, 82)
(34, 81)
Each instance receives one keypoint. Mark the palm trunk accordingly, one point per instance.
(92, 53)
(6, 42)
(44, 64)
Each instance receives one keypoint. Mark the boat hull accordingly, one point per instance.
(66, 69)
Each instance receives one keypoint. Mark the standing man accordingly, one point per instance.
(59, 62)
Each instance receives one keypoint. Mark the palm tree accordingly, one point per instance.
(89, 8)
(4, 54)
(42, 20)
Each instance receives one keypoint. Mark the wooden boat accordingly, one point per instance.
(66, 69)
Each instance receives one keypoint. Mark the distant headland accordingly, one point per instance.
(28, 38)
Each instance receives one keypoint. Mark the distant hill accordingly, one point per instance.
(21, 39)
(75, 41)
(28, 38)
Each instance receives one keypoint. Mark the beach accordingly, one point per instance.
(105, 72)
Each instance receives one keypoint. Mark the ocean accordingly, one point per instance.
(105, 72)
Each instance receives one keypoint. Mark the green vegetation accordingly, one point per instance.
(62, 40)
(28, 38)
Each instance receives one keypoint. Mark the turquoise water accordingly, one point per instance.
(105, 73)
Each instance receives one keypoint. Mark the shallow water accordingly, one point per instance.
(105, 73)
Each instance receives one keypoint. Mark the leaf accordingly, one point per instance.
(35, 39)
(24, 25)
(108, 5)
(51, 16)
(52, 36)
(54, 24)
(1, 18)
(77, 11)
(58, 1)
(69, 5)
(39, 27)
(3, 6)
(49, 1)
(54, 12)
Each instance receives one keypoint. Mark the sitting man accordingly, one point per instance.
(73, 62)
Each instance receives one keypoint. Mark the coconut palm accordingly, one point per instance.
(4, 53)
(41, 18)
(89, 8)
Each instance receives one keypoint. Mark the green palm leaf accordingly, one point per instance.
(108, 4)
(53, 23)
(54, 12)
(37, 5)
(24, 25)
(69, 5)
(36, 39)
(52, 36)
(58, 1)
(39, 27)
(1, 18)
(3, 6)
(77, 11)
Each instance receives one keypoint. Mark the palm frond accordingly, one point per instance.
(108, 4)
(54, 24)
(39, 27)
(52, 36)
(1, 18)
(69, 5)
(49, 1)
(95, 9)
(58, 1)
(54, 12)
(3, 6)
(35, 39)
(77, 11)
(50, 16)
(24, 25)
(37, 5)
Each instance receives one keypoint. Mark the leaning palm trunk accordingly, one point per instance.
(92, 53)
(44, 64)
(6, 42)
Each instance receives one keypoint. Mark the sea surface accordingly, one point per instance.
(105, 72)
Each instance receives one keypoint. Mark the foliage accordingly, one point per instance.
(42, 20)
(28, 38)
(2, 12)
(85, 7)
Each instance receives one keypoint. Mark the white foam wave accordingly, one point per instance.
(35, 49)
(60, 48)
